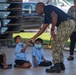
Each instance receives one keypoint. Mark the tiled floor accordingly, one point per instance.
(70, 65)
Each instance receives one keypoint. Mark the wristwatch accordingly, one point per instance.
(52, 29)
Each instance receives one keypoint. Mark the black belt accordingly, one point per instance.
(67, 19)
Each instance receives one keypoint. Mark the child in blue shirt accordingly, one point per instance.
(38, 54)
(21, 53)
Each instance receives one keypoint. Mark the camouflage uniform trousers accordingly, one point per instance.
(63, 32)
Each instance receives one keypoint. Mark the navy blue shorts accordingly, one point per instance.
(43, 63)
(20, 62)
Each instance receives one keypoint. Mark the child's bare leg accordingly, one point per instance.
(5, 66)
(25, 65)
(4, 59)
(29, 64)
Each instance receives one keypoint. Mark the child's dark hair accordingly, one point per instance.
(16, 37)
(39, 39)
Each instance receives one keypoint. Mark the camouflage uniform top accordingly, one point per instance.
(72, 12)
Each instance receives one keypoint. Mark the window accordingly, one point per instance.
(33, 6)
(71, 1)
(26, 6)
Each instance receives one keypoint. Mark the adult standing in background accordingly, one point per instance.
(72, 12)
(65, 26)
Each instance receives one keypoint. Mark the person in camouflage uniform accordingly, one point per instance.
(72, 12)
(65, 26)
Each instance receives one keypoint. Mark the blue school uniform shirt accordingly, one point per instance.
(38, 53)
(62, 16)
(18, 54)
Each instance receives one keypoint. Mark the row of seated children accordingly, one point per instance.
(37, 54)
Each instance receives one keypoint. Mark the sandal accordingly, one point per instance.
(9, 66)
(70, 58)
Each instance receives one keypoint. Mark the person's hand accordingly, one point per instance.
(46, 61)
(32, 39)
(53, 34)
(27, 41)
(36, 65)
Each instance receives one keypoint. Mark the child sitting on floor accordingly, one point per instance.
(20, 53)
(3, 64)
(38, 54)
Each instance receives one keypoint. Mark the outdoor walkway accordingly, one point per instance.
(70, 65)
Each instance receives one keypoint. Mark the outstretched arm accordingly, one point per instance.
(41, 30)
(24, 49)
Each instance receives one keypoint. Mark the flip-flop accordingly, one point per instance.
(9, 66)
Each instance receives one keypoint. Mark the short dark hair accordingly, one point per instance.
(39, 3)
(15, 38)
(39, 39)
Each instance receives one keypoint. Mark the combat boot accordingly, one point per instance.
(62, 66)
(54, 69)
